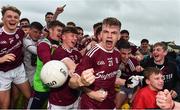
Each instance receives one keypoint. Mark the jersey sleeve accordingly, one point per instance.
(85, 63)
(44, 52)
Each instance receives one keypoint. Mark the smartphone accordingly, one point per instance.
(64, 6)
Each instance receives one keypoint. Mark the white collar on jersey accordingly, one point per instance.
(8, 32)
(104, 49)
(68, 50)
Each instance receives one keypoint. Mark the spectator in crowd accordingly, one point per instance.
(30, 49)
(134, 50)
(71, 24)
(144, 48)
(129, 67)
(79, 37)
(145, 98)
(91, 41)
(26, 29)
(50, 16)
(24, 22)
(168, 67)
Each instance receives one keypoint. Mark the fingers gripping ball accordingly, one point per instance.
(54, 73)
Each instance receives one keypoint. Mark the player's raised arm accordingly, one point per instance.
(58, 11)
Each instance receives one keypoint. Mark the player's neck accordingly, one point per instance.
(8, 31)
(66, 47)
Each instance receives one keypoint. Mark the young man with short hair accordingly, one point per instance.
(65, 97)
(30, 49)
(129, 67)
(45, 48)
(98, 68)
(11, 56)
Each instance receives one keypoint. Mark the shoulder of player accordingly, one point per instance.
(92, 51)
(20, 31)
(44, 41)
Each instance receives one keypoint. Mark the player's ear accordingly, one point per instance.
(147, 81)
(165, 52)
(119, 36)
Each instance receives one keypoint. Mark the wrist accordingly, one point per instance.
(90, 94)
(173, 105)
(80, 84)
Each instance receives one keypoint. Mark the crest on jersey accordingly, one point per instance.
(11, 40)
(110, 61)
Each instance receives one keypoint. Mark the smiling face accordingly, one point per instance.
(10, 20)
(55, 32)
(159, 54)
(110, 34)
(69, 40)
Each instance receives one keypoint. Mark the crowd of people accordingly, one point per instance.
(105, 69)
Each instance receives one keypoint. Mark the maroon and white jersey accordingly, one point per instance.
(105, 64)
(64, 95)
(11, 43)
(129, 68)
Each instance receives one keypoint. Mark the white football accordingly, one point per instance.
(54, 73)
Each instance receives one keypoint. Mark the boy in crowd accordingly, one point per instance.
(30, 49)
(146, 96)
(168, 68)
(24, 22)
(129, 66)
(144, 49)
(134, 50)
(11, 56)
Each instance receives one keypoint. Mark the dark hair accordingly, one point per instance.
(123, 44)
(12, 8)
(124, 31)
(69, 29)
(144, 41)
(36, 25)
(70, 23)
(55, 23)
(25, 26)
(25, 19)
(151, 70)
(96, 25)
(111, 21)
(80, 28)
(49, 13)
(98, 30)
